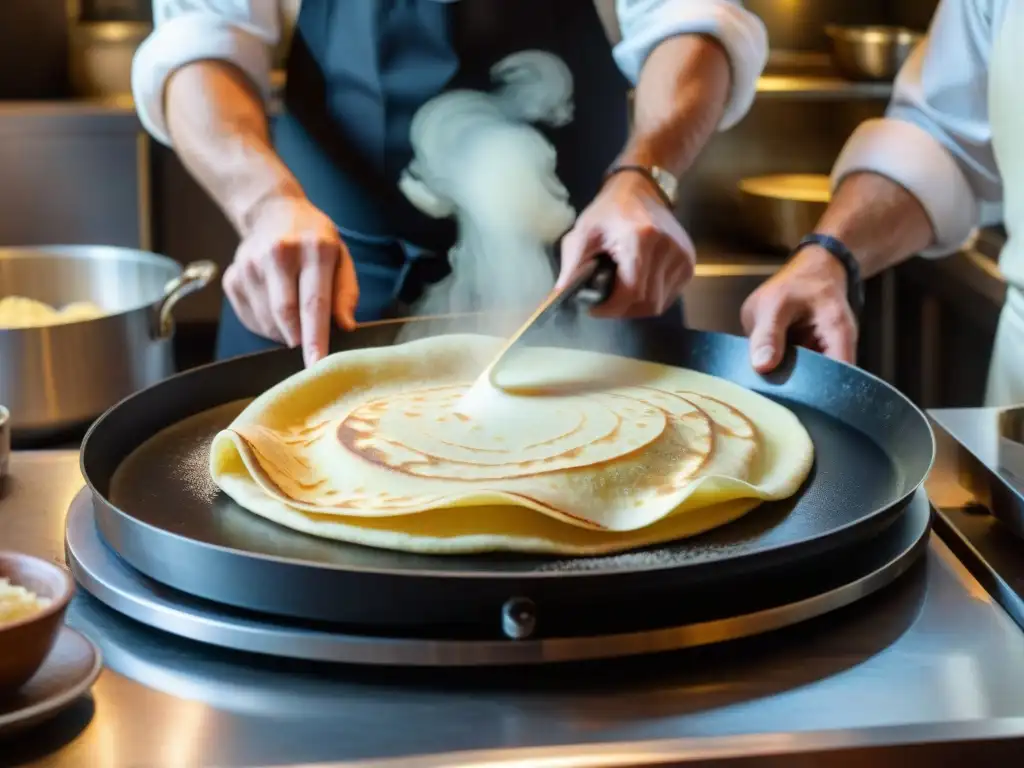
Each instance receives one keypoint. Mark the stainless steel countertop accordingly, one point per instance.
(932, 649)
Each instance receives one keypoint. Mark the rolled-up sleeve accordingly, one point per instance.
(240, 32)
(646, 23)
(935, 140)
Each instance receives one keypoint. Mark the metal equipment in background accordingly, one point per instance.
(100, 57)
(871, 52)
(983, 449)
(58, 377)
(779, 210)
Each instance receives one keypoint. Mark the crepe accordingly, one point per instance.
(379, 447)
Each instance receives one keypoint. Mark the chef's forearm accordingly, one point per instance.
(678, 103)
(878, 220)
(219, 129)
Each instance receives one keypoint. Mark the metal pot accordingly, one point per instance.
(799, 25)
(5, 445)
(871, 53)
(57, 377)
(779, 210)
(100, 59)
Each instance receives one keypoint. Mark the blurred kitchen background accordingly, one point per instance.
(77, 168)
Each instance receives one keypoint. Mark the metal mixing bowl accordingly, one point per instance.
(873, 52)
(5, 444)
(780, 210)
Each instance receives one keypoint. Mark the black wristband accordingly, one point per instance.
(842, 254)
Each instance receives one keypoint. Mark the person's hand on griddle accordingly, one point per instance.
(291, 274)
(653, 254)
(803, 303)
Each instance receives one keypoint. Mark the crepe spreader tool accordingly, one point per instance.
(589, 287)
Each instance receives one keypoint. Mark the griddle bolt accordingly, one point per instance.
(518, 618)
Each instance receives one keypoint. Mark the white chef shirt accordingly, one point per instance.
(935, 139)
(245, 32)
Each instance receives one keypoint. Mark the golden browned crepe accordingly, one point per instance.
(381, 447)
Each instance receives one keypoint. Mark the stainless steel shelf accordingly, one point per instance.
(819, 87)
(812, 75)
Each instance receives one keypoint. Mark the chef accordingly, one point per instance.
(914, 183)
(326, 235)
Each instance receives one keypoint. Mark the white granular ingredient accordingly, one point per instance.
(17, 603)
(22, 312)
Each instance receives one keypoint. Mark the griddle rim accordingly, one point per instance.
(133, 538)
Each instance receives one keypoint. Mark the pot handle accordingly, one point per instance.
(194, 277)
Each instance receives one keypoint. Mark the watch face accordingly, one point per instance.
(666, 181)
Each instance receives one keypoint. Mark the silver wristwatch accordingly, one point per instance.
(667, 184)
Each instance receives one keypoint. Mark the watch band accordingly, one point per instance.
(658, 177)
(838, 250)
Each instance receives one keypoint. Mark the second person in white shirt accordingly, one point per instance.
(915, 182)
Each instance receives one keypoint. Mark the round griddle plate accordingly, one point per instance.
(830, 582)
(146, 461)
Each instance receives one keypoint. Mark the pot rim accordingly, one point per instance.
(93, 253)
(773, 186)
(886, 34)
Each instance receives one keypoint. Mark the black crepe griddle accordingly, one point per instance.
(145, 461)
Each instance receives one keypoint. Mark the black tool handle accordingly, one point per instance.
(601, 282)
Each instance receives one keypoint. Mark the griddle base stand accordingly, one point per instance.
(804, 595)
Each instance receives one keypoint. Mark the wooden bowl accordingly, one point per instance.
(25, 644)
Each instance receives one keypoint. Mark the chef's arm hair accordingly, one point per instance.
(200, 82)
(645, 25)
(219, 128)
(878, 220)
(678, 103)
(931, 158)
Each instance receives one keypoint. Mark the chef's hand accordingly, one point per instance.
(654, 256)
(806, 302)
(290, 274)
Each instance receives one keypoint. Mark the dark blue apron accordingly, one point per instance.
(357, 73)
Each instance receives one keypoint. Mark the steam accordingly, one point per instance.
(478, 158)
